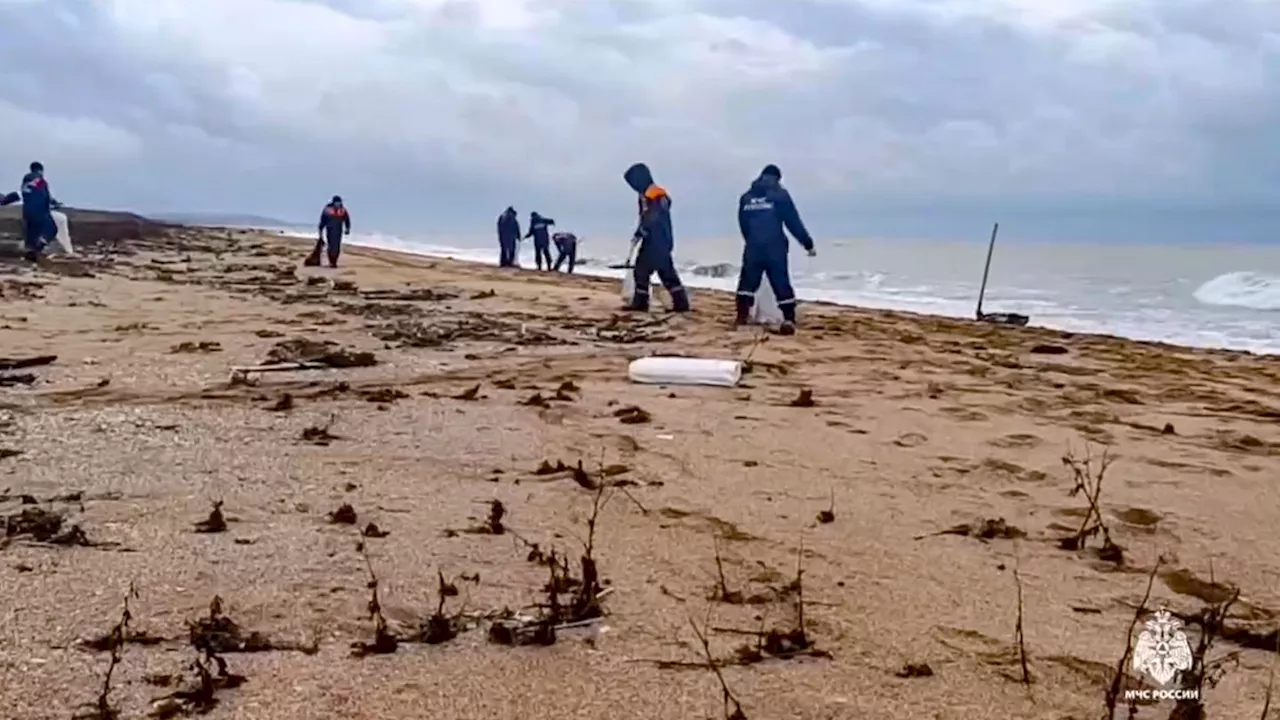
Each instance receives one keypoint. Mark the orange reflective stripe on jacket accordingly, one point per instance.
(338, 212)
(654, 192)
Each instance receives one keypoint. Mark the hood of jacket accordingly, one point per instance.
(765, 182)
(638, 177)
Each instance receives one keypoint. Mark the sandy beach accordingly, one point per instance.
(846, 451)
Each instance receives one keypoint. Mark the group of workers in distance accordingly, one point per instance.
(766, 213)
(38, 204)
(540, 230)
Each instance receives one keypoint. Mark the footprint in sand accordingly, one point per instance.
(1017, 440)
(1185, 582)
(963, 414)
(1187, 467)
(911, 439)
(1015, 470)
(1138, 517)
(1120, 395)
(1233, 441)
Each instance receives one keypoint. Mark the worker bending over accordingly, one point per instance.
(566, 249)
(335, 222)
(657, 241)
(38, 227)
(763, 213)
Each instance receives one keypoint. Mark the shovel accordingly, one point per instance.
(630, 253)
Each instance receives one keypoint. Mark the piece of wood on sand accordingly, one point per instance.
(242, 372)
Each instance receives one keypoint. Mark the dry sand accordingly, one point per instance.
(920, 424)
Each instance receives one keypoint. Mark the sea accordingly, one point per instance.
(1208, 296)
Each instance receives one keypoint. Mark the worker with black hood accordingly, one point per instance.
(657, 241)
(765, 214)
(539, 231)
(38, 227)
(508, 237)
(335, 222)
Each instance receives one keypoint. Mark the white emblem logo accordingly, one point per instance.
(1162, 650)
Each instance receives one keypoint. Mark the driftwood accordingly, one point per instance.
(19, 379)
(23, 363)
(278, 367)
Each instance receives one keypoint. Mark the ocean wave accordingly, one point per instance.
(1256, 291)
(714, 270)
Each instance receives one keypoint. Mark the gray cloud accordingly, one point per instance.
(439, 112)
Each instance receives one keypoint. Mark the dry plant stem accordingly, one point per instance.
(383, 641)
(1017, 631)
(732, 708)
(1205, 672)
(755, 345)
(639, 505)
(800, 591)
(1089, 482)
(1117, 681)
(590, 575)
(726, 594)
(1271, 683)
(119, 635)
(597, 504)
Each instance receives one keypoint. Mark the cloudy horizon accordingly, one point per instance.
(919, 116)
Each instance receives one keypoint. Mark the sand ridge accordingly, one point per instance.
(932, 449)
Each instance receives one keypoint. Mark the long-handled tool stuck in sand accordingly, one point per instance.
(996, 318)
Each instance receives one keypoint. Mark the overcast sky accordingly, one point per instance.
(439, 113)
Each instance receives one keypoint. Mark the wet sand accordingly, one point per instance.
(917, 425)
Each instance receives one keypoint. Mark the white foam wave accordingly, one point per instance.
(1256, 291)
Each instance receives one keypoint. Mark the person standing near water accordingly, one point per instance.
(508, 237)
(765, 213)
(657, 241)
(335, 222)
(539, 231)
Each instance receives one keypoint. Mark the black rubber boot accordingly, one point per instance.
(744, 304)
(680, 301)
(788, 326)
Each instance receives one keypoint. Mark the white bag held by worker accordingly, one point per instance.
(685, 371)
(64, 231)
(765, 310)
(628, 285)
(629, 273)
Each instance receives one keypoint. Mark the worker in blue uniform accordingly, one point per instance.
(540, 231)
(38, 204)
(656, 240)
(335, 221)
(508, 237)
(765, 213)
